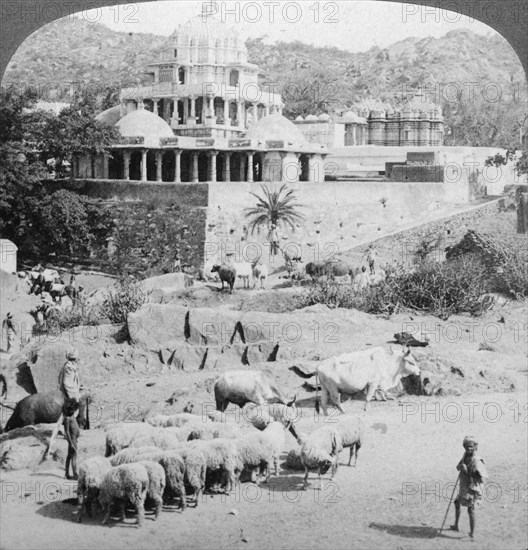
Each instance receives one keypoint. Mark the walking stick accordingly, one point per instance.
(449, 505)
(53, 436)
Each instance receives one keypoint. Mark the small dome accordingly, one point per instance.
(110, 116)
(275, 127)
(299, 119)
(146, 124)
(311, 118)
(325, 117)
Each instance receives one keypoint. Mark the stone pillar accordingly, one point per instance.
(250, 168)
(195, 168)
(266, 110)
(290, 169)
(126, 165)
(105, 166)
(143, 165)
(159, 161)
(522, 213)
(176, 112)
(210, 106)
(254, 108)
(354, 134)
(227, 167)
(240, 114)
(242, 174)
(315, 169)
(90, 165)
(193, 107)
(212, 166)
(177, 166)
(155, 106)
(226, 112)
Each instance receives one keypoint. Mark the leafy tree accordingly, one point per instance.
(64, 218)
(274, 208)
(75, 130)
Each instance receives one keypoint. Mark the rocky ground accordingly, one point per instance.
(397, 495)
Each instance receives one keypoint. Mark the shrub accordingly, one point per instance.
(59, 320)
(512, 278)
(125, 298)
(444, 288)
(439, 288)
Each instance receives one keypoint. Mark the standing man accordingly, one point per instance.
(273, 239)
(69, 377)
(372, 255)
(472, 474)
(10, 329)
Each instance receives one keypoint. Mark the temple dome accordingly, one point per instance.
(324, 117)
(110, 116)
(146, 124)
(311, 118)
(275, 127)
(206, 27)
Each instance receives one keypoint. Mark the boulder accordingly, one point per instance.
(155, 326)
(188, 358)
(46, 365)
(166, 283)
(213, 327)
(21, 453)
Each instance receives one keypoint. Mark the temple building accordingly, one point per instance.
(418, 122)
(203, 118)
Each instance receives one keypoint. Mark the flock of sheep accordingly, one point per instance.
(167, 458)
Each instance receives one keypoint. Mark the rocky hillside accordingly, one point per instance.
(73, 50)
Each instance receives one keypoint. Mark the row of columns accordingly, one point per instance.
(194, 175)
(189, 109)
(276, 166)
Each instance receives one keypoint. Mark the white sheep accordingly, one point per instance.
(215, 430)
(350, 427)
(261, 416)
(173, 464)
(275, 432)
(128, 482)
(320, 450)
(221, 459)
(173, 420)
(156, 486)
(91, 473)
(131, 454)
(194, 468)
(254, 452)
(120, 436)
(164, 438)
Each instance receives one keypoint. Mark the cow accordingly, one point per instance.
(244, 271)
(371, 370)
(247, 386)
(227, 274)
(338, 268)
(315, 270)
(204, 273)
(45, 408)
(298, 271)
(260, 273)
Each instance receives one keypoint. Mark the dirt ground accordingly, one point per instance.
(395, 498)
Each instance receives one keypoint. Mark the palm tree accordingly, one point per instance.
(273, 209)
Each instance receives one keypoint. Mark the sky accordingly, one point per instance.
(350, 25)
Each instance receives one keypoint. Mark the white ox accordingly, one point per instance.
(244, 270)
(368, 370)
(260, 274)
(247, 386)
